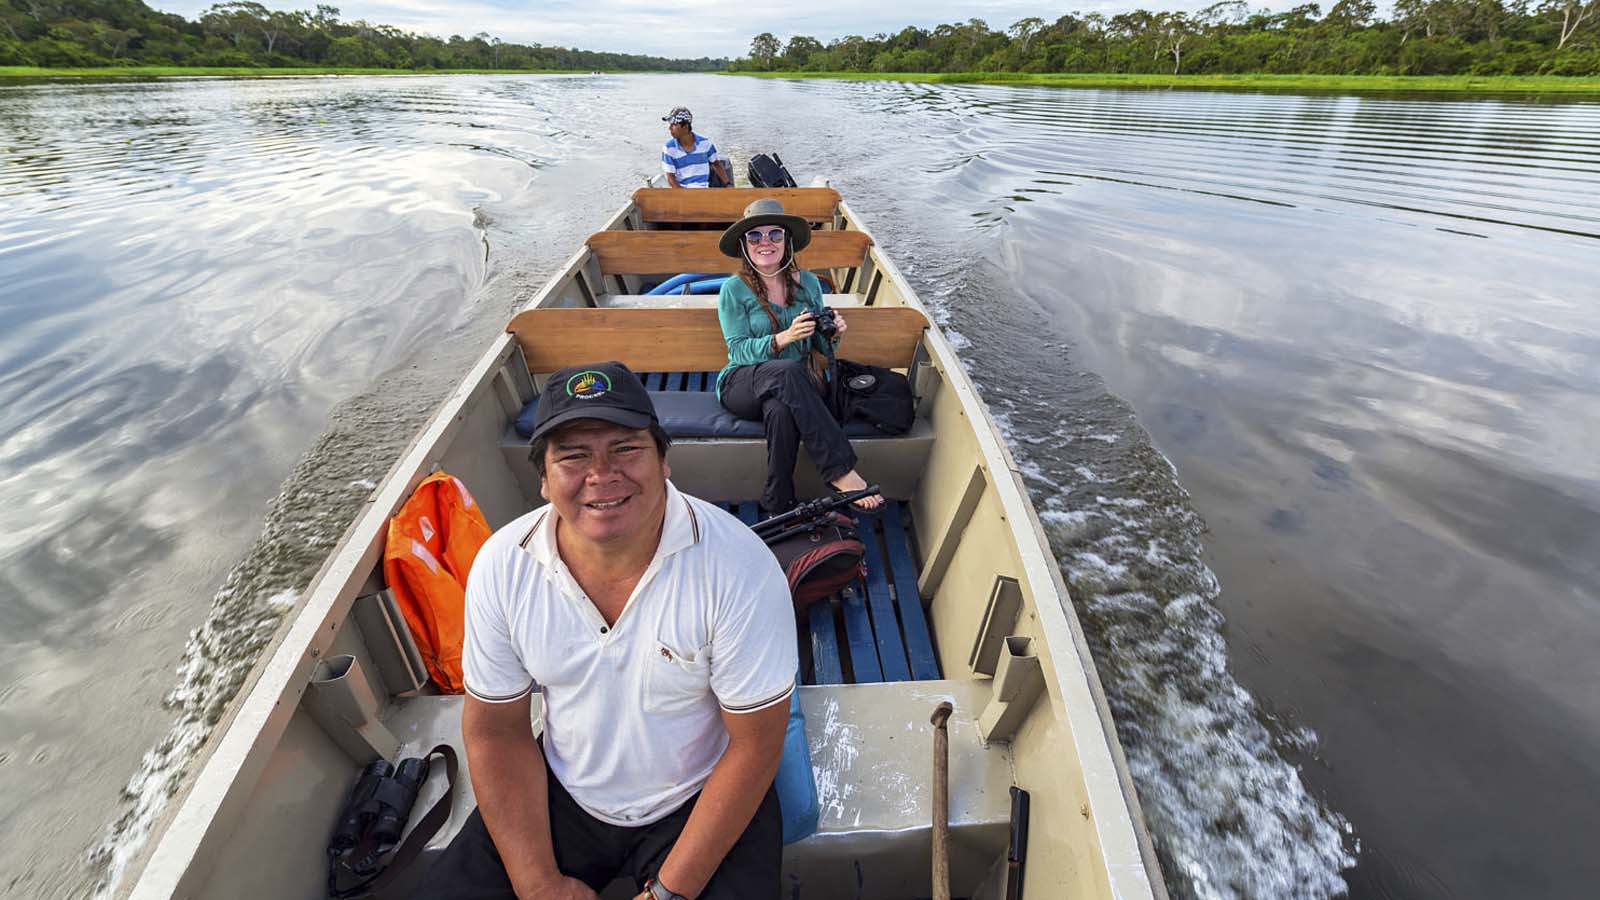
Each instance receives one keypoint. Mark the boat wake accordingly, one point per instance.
(1229, 815)
(303, 523)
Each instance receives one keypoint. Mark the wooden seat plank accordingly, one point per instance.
(749, 513)
(858, 634)
(690, 340)
(663, 301)
(885, 624)
(826, 667)
(913, 619)
(670, 252)
(727, 204)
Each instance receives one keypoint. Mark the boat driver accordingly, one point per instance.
(691, 160)
(660, 633)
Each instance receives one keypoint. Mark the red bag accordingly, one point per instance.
(822, 560)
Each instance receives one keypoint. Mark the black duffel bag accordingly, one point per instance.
(880, 397)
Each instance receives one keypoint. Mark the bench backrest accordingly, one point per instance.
(671, 252)
(690, 340)
(727, 204)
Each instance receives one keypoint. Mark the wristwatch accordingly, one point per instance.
(660, 891)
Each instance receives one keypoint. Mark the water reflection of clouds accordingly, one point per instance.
(176, 272)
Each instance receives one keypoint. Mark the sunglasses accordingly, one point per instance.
(775, 236)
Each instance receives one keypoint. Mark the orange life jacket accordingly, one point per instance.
(432, 542)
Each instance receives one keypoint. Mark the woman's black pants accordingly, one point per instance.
(781, 396)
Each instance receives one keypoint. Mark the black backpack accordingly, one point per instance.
(768, 172)
(880, 397)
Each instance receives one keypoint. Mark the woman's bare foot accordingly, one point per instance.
(852, 481)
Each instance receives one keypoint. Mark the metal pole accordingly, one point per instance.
(941, 801)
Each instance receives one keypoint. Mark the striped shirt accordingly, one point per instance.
(692, 168)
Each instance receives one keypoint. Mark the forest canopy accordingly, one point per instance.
(1422, 37)
(91, 33)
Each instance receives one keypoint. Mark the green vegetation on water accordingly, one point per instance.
(250, 71)
(1497, 84)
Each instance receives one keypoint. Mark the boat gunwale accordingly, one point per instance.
(1114, 831)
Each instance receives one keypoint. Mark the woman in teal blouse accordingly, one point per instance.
(769, 315)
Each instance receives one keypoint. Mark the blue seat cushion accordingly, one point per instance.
(796, 783)
(695, 414)
(698, 414)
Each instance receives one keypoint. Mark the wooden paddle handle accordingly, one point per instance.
(941, 801)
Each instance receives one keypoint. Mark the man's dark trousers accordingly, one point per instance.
(783, 397)
(595, 852)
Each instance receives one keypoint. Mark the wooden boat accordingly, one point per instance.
(964, 603)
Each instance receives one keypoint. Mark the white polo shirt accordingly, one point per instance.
(632, 723)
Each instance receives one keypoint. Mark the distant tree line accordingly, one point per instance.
(88, 33)
(1423, 37)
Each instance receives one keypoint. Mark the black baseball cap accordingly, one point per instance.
(607, 391)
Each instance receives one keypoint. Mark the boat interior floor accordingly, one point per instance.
(875, 629)
(870, 681)
(871, 753)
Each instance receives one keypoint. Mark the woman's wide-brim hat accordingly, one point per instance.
(765, 211)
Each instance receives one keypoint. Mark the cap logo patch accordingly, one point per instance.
(588, 385)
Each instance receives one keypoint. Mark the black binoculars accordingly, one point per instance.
(377, 811)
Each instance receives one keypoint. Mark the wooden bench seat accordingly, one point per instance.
(688, 344)
(689, 339)
(700, 301)
(727, 204)
(672, 252)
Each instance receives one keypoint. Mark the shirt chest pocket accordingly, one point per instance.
(677, 680)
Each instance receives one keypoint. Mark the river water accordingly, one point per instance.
(1304, 388)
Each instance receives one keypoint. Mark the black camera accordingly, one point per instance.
(827, 323)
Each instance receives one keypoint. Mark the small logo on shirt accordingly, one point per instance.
(588, 385)
(666, 654)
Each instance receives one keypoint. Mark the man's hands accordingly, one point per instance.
(802, 328)
(562, 888)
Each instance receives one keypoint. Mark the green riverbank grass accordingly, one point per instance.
(1455, 84)
(251, 71)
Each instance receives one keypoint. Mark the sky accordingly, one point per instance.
(689, 28)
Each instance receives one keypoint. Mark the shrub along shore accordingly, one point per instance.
(1451, 84)
(1474, 84)
(253, 71)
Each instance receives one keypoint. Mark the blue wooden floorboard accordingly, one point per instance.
(885, 624)
(913, 619)
(825, 665)
(858, 633)
(887, 637)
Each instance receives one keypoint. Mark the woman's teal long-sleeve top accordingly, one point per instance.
(748, 331)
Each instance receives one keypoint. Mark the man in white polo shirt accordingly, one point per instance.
(688, 158)
(660, 631)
